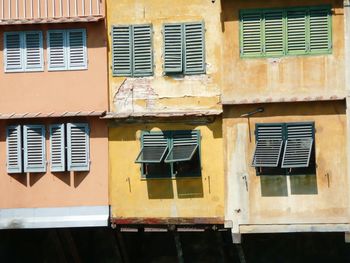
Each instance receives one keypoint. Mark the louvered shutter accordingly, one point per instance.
(154, 148)
(268, 147)
(14, 149)
(274, 32)
(122, 50)
(34, 148)
(76, 51)
(57, 148)
(13, 43)
(57, 42)
(296, 31)
(320, 29)
(142, 50)
(173, 47)
(78, 151)
(251, 31)
(194, 48)
(297, 151)
(184, 145)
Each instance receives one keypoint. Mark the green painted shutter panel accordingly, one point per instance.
(268, 147)
(78, 147)
(14, 149)
(173, 47)
(296, 31)
(76, 49)
(251, 31)
(142, 50)
(194, 48)
(33, 51)
(57, 42)
(320, 30)
(184, 145)
(297, 151)
(154, 148)
(13, 42)
(57, 148)
(274, 36)
(34, 148)
(122, 50)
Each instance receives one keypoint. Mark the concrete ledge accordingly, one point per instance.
(292, 228)
(167, 221)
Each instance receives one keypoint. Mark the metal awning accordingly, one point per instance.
(28, 115)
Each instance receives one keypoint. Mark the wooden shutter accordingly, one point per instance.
(194, 48)
(33, 42)
(13, 43)
(274, 36)
(57, 148)
(173, 46)
(268, 147)
(296, 31)
(78, 151)
(142, 50)
(14, 149)
(57, 42)
(320, 29)
(122, 50)
(251, 31)
(76, 51)
(183, 147)
(154, 147)
(34, 148)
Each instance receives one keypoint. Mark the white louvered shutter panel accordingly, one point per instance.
(173, 47)
(320, 29)
(76, 51)
(14, 149)
(57, 41)
(33, 42)
(78, 147)
(194, 48)
(296, 31)
(121, 50)
(34, 148)
(57, 148)
(142, 50)
(251, 40)
(13, 59)
(274, 32)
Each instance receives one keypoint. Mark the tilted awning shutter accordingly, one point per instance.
(33, 59)
(78, 147)
(57, 148)
(14, 149)
(251, 33)
(76, 51)
(13, 42)
(142, 50)
(269, 141)
(57, 42)
(173, 46)
(296, 31)
(154, 148)
(320, 29)
(122, 50)
(298, 146)
(194, 48)
(274, 32)
(34, 148)
(184, 145)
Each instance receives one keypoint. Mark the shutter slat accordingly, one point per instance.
(13, 51)
(33, 51)
(194, 48)
(14, 149)
(121, 50)
(142, 50)
(77, 51)
(57, 42)
(78, 147)
(34, 148)
(57, 148)
(173, 46)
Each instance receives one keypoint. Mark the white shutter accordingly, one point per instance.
(57, 42)
(33, 42)
(13, 44)
(34, 148)
(14, 149)
(57, 148)
(78, 147)
(77, 52)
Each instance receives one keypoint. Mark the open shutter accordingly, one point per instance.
(268, 147)
(122, 50)
(297, 151)
(34, 148)
(184, 145)
(154, 148)
(33, 51)
(78, 147)
(57, 42)
(14, 149)
(13, 42)
(320, 29)
(251, 31)
(296, 31)
(76, 51)
(173, 46)
(274, 32)
(142, 47)
(194, 48)
(57, 148)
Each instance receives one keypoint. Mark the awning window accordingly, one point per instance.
(184, 146)
(155, 146)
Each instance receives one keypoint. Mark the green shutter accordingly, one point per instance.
(122, 50)
(274, 32)
(194, 48)
(142, 50)
(251, 34)
(296, 31)
(34, 148)
(154, 147)
(320, 29)
(173, 46)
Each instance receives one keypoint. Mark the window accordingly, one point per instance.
(23, 51)
(170, 154)
(132, 53)
(67, 49)
(290, 31)
(69, 142)
(184, 48)
(284, 148)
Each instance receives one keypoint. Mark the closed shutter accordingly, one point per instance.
(14, 149)
(154, 148)
(184, 145)
(194, 48)
(57, 43)
(33, 51)
(173, 46)
(78, 147)
(57, 148)
(77, 51)
(297, 151)
(142, 50)
(268, 147)
(296, 31)
(320, 30)
(251, 31)
(122, 50)
(13, 43)
(34, 148)
(274, 32)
